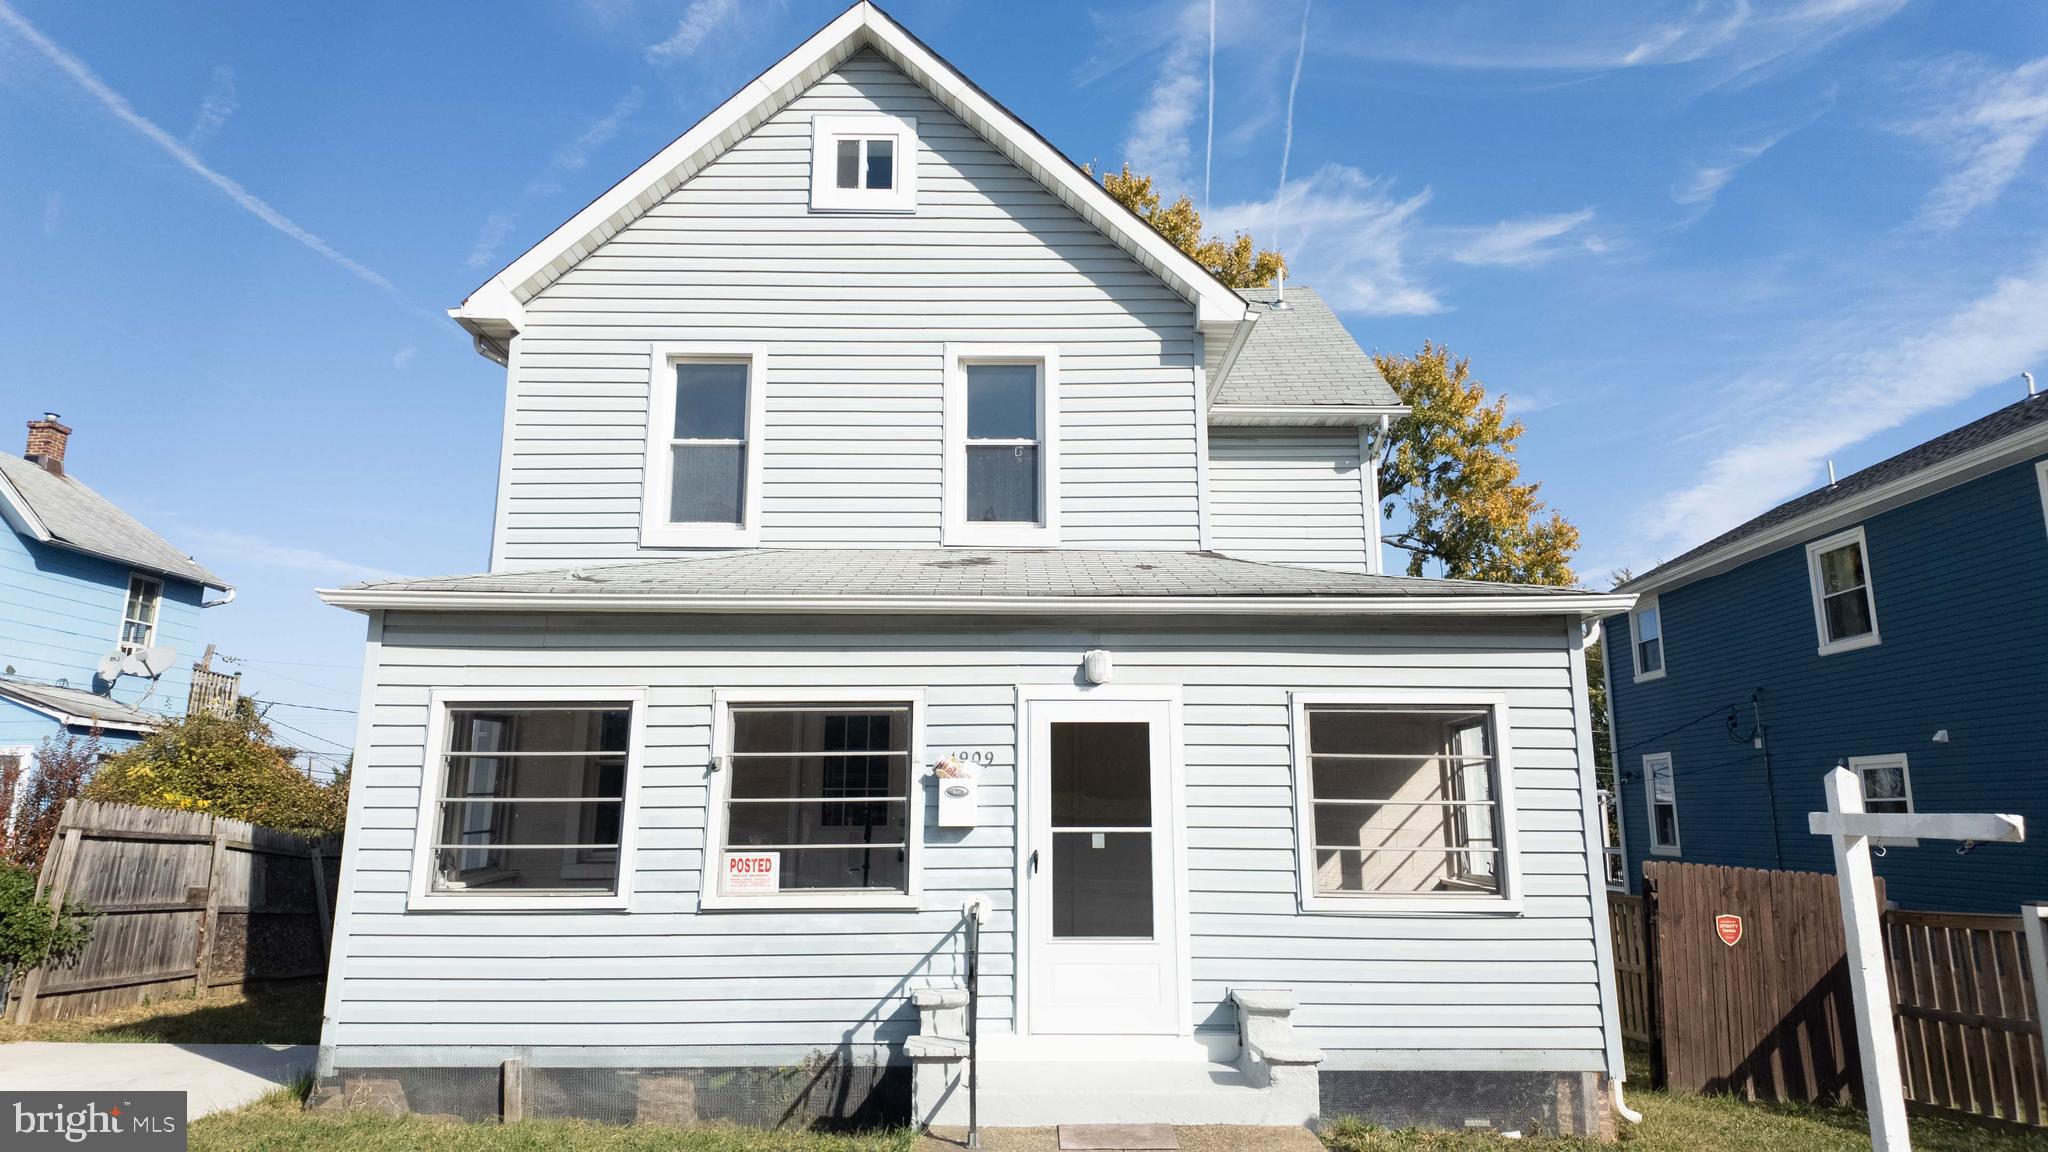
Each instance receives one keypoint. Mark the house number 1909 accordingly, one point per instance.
(982, 757)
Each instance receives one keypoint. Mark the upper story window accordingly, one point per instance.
(139, 612)
(1844, 604)
(1660, 786)
(1002, 446)
(1405, 803)
(864, 163)
(1887, 787)
(1646, 628)
(702, 484)
(528, 802)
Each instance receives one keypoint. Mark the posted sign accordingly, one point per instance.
(751, 873)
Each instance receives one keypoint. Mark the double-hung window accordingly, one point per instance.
(702, 485)
(1887, 787)
(1405, 802)
(1002, 446)
(864, 163)
(1646, 628)
(1844, 605)
(139, 612)
(1660, 786)
(815, 801)
(528, 801)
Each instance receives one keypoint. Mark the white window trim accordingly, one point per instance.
(440, 702)
(1814, 552)
(827, 196)
(1676, 847)
(2041, 475)
(1635, 640)
(719, 786)
(959, 531)
(1858, 764)
(1510, 872)
(655, 529)
(156, 616)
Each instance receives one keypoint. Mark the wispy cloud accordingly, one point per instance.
(1986, 123)
(1824, 402)
(227, 548)
(218, 104)
(1348, 236)
(573, 156)
(1287, 136)
(1159, 143)
(700, 20)
(1520, 243)
(402, 358)
(118, 105)
(1708, 175)
(497, 228)
(576, 153)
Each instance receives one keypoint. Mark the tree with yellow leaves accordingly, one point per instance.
(1237, 262)
(1452, 460)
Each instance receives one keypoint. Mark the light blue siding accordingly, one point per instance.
(1961, 584)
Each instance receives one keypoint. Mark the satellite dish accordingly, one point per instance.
(110, 667)
(131, 664)
(158, 659)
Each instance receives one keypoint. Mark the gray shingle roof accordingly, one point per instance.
(76, 705)
(950, 572)
(80, 518)
(1302, 354)
(2028, 415)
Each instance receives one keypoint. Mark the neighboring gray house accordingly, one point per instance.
(892, 529)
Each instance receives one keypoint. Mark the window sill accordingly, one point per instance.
(696, 536)
(1646, 677)
(808, 902)
(1865, 641)
(480, 902)
(1001, 536)
(1656, 851)
(1411, 905)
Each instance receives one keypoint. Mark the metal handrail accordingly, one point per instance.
(973, 1021)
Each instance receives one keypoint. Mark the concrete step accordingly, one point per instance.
(1042, 1093)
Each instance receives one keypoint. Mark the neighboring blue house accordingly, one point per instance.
(1896, 621)
(80, 581)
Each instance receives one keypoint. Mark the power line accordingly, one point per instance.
(307, 707)
(308, 735)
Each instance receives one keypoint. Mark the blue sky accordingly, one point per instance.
(1703, 247)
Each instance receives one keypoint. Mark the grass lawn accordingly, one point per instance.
(285, 1014)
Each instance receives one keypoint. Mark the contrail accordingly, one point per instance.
(126, 112)
(1209, 140)
(1287, 139)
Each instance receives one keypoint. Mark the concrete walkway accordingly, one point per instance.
(214, 1077)
(1191, 1138)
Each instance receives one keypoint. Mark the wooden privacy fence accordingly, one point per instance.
(1766, 1017)
(1631, 965)
(187, 902)
(1965, 1005)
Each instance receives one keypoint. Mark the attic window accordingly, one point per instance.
(863, 164)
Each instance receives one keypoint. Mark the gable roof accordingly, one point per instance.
(2007, 436)
(75, 708)
(923, 581)
(1300, 365)
(494, 311)
(60, 510)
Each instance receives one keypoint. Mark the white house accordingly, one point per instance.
(891, 525)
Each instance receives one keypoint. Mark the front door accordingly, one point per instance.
(1104, 947)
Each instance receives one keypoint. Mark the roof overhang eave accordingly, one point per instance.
(71, 719)
(1589, 604)
(1304, 415)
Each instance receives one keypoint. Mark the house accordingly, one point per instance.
(86, 590)
(1894, 621)
(895, 534)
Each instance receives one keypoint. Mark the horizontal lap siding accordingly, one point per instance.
(1288, 496)
(855, 312)
(1396, 991)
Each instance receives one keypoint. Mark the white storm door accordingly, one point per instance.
(1104, 946)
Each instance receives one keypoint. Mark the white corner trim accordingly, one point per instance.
(656, 531)
(421, 897)
(718, 786)
(1676, 847)
(957, 529)
(1814, 551)
(15, 509)
(2041, 476)
(1509, 901)
(1204, 518)
(1635, 641)
(828, 129)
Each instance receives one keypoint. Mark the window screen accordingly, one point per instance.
(1404, 800)
(825, 790)
(532, 799)
(708, 449)
(1003, 440)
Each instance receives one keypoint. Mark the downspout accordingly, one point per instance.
(223, 602)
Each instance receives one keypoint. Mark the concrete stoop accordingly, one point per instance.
(1272, 1081)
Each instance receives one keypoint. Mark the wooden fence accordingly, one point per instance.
(187, 902)
(1631, 965)
(1766, 1017)
(1969, 1039)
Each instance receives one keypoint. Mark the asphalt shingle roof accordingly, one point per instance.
(74, 702)
(1301, 354)
(933, 572)
(78, 517)
(2011, 420)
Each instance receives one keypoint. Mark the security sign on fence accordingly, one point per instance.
(1728, 927)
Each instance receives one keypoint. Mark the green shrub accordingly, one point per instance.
(223, 766)
(29, 936)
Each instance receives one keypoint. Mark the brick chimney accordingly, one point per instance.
(46, 440)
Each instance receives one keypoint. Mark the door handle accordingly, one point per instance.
(1034, 861)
